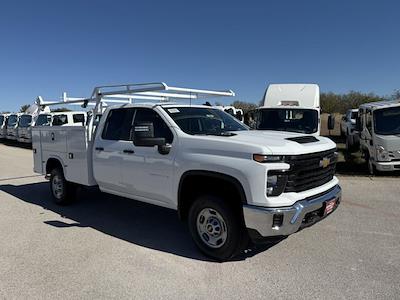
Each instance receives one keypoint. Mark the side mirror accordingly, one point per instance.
(143, 136)
(331, 122)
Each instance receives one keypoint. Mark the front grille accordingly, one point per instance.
(307, 171)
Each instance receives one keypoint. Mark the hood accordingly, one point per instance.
(286, 143)
(264, 142)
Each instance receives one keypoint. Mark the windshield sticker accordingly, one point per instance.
(173, 110)
(210, 116)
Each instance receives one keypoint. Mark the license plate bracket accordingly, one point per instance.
(329, 206)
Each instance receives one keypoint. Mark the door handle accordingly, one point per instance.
(99, 148)
(128, 151)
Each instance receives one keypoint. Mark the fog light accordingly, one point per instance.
(277, 221)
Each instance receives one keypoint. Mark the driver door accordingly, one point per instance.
(147, 174)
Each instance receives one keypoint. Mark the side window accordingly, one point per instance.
(161, 129)
(59, 120)
(118, 125)
(78, 118)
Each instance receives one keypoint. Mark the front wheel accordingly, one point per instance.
(371, 167)
(62, 190)
(216, 227)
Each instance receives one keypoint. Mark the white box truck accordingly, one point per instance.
(288, 107)
(378, 124)
(229, 183)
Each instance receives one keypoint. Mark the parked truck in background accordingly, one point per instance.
(11, 125)
(24, 127)
(3, 126)
(229, 183)
(378, 125)
(348, 129)
(288, 107)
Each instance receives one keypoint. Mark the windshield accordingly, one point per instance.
(12, 120)
(25, 121)
(43, 120)
(1, 120)
(387, 121)
(204, 121)
(295, 120)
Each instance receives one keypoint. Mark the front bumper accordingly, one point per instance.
(388, 166)
(290, 219)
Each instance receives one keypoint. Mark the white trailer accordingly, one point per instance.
(288, 107)
(229, 183)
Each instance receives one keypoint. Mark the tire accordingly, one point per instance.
(61, 190)
(217, 228)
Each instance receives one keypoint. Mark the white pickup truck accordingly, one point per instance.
(228, 182)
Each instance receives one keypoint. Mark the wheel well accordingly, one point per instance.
(51, 164)
(195, 183)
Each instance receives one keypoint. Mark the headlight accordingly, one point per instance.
(382, 154)
(276, 183)
(261, 158)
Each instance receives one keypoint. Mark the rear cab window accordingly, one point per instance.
(118, 125)
(78, 118)
(59, 120)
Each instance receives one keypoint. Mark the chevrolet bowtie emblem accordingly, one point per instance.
(324, 162)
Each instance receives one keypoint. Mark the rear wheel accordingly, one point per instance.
(216, 227)
(62, 190)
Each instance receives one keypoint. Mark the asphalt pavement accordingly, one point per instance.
(105, 247)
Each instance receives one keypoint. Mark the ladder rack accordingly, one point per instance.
(102, 96)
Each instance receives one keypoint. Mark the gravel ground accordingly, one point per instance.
(109, 247)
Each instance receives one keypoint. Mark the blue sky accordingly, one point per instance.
(47, 47)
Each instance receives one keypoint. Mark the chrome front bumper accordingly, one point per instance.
(290, 219)
(387, 166)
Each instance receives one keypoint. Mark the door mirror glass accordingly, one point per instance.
(331, 122)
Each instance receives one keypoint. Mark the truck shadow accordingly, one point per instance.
(12, 143)
(136, 222)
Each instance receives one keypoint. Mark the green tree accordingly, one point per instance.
(340, 103)
(24, 108)
(245, 106)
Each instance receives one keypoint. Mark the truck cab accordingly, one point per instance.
(288, 107)
(379, 129)
(12, 125)
(24, 134)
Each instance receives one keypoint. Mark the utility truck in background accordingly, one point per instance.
(348, 129)
(3, 126)
(288, 107)
(11, 126)
(378, 124)
(228, 182)
(233, 111)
